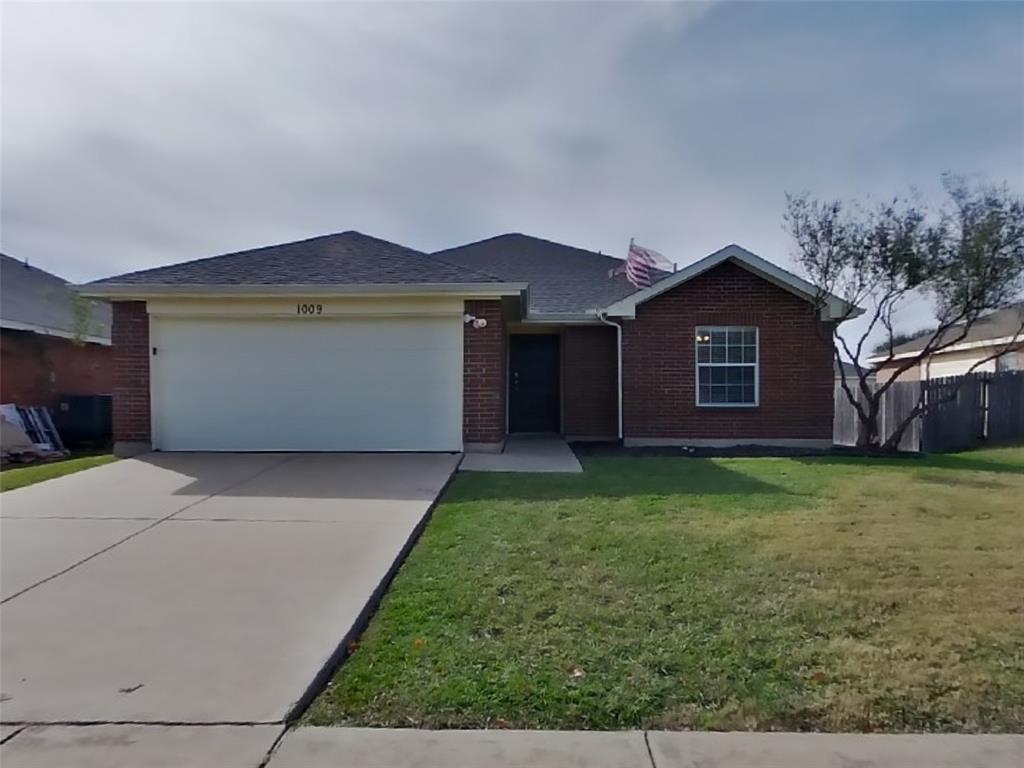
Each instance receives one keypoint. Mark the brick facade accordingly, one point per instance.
(483, 375)
(130, 336)
(590, 395)
(659, 371)
(35, 369)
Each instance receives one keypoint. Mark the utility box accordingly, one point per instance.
(84, 421)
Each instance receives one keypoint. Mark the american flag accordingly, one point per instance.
(639, 263)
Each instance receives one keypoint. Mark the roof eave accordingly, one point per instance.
(832, 307)
(561, 318)
(42, 330)
(963, 346)
(129, 291)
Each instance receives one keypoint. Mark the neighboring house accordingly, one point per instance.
(350, 343)
(995, 332)
(849, 371)
(51, 343)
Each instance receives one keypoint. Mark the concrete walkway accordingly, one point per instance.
(526, 453)
(385, 748)
(160, 746)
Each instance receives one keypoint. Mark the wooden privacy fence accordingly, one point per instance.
(961, 412)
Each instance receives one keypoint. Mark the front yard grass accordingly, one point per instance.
(15, 476)
(832, 594)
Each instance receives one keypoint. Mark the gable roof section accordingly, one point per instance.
(834, 307)
(565, 282)
(32, 299)
(347, 260)
(996, 328)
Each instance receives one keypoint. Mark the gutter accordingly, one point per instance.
(42, 330)
(961, 347)
(141, 291)
(602, 315)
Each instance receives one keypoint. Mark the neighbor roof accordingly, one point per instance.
(563, 280)
(346, 258)
(32, 299)
(999, 327)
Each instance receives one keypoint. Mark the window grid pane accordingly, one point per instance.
(726, 365)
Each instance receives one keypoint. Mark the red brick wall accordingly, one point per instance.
(659, 362)
(590, 395)
(483, 375)
(130, 336)
(37, 369)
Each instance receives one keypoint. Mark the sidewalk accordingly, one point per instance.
(409, 748)
(168, 746)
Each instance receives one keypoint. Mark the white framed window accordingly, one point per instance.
(727, 366)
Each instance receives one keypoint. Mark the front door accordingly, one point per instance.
(533, 383)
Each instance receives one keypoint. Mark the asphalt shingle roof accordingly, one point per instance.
(346, 258)
(36, 297)
(562, 279)
(996, 325)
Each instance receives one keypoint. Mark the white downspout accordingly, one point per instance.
(603, 317)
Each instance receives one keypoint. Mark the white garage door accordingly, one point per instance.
(307, 384)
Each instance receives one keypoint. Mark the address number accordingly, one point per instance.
(309, 309)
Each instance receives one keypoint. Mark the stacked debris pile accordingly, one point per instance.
(28, 434)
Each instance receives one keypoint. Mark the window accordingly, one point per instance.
(727, 366)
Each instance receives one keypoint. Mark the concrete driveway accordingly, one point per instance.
(196, 588)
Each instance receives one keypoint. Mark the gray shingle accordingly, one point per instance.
(996, 325)
(346, 258)
(563, 279)
(35, 297)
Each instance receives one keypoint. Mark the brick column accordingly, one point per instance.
(483, 378)
(130, 342)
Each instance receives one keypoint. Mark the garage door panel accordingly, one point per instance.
(360, 385)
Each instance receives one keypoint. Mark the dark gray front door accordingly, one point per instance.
(533, 403)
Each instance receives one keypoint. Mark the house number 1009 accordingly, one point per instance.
(309, 309)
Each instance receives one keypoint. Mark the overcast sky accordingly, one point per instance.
(141, 134)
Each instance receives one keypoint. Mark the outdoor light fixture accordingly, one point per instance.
(478, 322)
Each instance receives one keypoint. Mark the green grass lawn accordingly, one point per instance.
(15, 476)
(823, 593)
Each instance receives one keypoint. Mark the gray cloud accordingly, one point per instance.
(134, 135)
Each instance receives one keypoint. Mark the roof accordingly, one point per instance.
(563, 280)
(342, 259)
(562, 283)
(32, 299)
(850, 370)
(999, 327)
(834, 308)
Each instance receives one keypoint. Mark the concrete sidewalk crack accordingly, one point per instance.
(273, 747)
(141, 531)
(650, 752)
(12, 734)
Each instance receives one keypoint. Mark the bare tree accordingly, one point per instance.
(965, 260)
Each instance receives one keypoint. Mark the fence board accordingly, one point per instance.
(1006, 406)
(961, 412)
(845, 423)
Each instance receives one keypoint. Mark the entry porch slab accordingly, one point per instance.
(526, 453)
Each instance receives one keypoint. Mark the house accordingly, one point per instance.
(51, 343)
(351, 343)
(849, 371)
(1000, 331)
